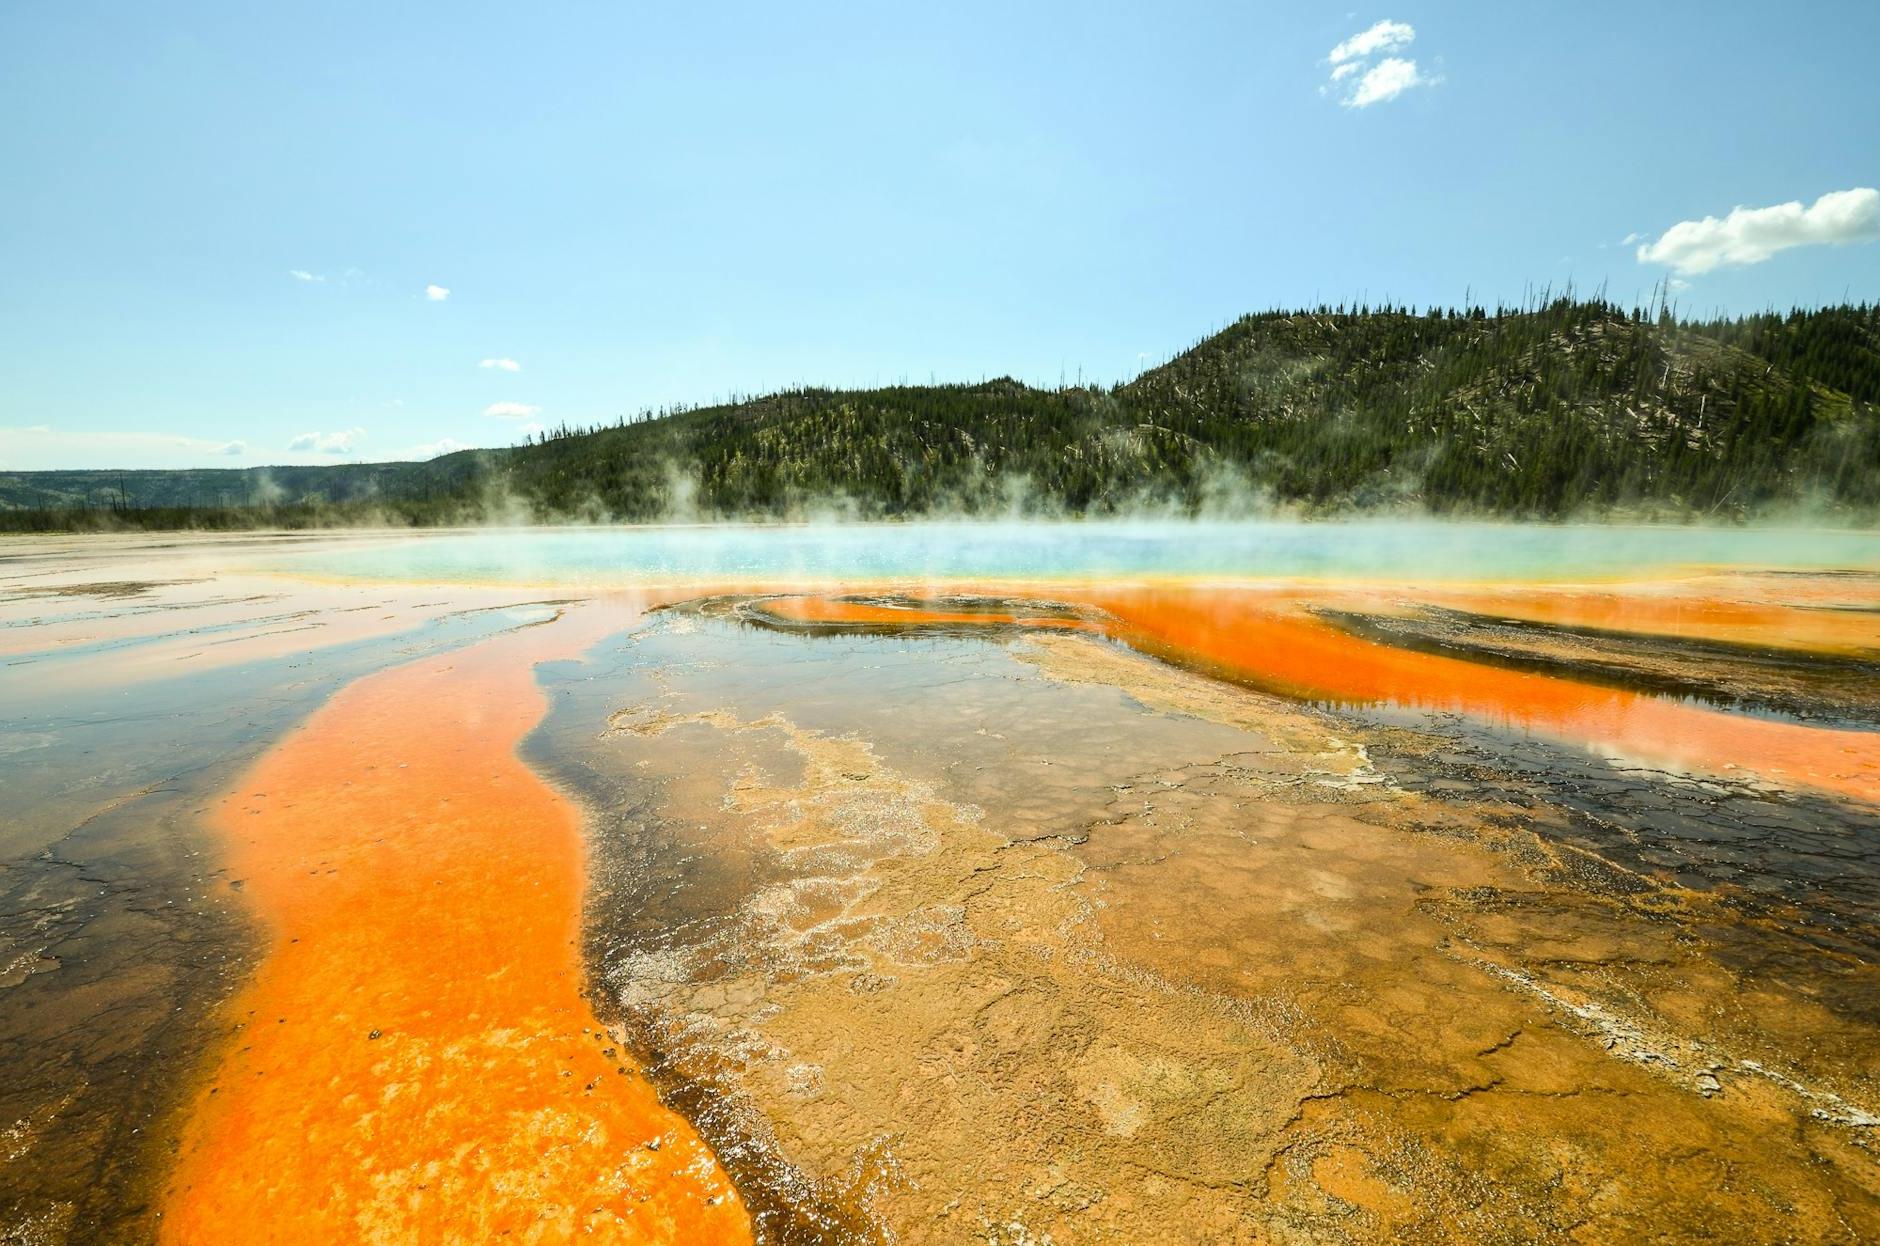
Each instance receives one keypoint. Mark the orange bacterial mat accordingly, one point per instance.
(414, 1060)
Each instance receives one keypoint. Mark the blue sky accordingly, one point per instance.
(640, 205)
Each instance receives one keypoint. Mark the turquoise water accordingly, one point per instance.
(1370, 550)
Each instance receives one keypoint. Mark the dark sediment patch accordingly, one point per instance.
(110, 590)
(1804, 870)
(1819, 689)
(874, 614)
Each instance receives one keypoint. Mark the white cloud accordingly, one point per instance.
(512, 410)
(1360, 82)
(1752, 235)
(505, 365)
(232, 447)
(327, 443)
(1386, 80)
(1631, 238)
(437, 294)
(1385, 36)
(301, 274)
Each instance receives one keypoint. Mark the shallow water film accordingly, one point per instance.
(933, 884)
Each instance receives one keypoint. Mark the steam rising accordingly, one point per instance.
(1142, 549)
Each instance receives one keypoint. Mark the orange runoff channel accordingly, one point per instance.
(1270, 639)
(1254, 635)
(415, 1061)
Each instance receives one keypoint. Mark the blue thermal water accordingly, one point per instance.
(1376, 549)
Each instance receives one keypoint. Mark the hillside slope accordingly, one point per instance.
(1577, 408)
(213, 487)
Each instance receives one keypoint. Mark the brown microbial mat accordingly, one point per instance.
(1016, 909)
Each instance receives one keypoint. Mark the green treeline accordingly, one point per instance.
(1575, 408)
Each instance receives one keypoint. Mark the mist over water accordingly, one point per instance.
(1391, 550)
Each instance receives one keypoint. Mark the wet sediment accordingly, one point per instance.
(942, 918)
(962, 947)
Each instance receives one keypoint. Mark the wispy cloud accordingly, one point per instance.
(1385, 36)
(1360, 82)
(1752, 235)
(345, 277)
(512, 410)
(231, 447)
(437, 294)
(501, 365)
(338, 443)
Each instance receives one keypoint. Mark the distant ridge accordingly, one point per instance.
(1571, 409)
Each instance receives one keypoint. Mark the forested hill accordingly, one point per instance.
(1577, 408)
